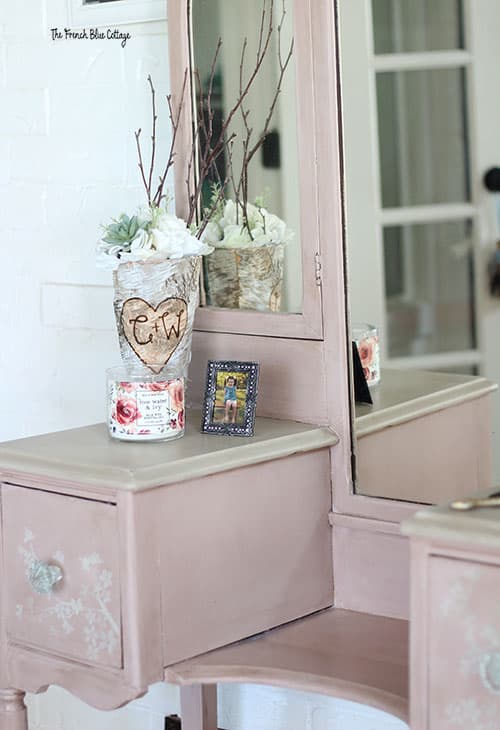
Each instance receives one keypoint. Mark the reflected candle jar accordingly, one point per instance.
(366, 338)
(144, 407)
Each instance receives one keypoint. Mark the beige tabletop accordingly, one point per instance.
(89, 455)
(477, 527)
(406, 394)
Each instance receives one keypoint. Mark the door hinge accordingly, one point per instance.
(318, 269)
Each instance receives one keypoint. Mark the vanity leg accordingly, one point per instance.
(199, 707)
(13, 715)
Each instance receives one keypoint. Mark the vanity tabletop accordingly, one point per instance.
(89, 455)
(403, 395)
(478, 527)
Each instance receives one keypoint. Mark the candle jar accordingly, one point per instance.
(366, 338)
(144, 407)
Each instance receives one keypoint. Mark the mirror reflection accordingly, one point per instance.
(417, 79)
(255, 226)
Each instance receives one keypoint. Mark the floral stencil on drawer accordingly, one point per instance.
(63, 588)
(464, 645)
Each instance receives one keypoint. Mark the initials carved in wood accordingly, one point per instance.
(154, 333)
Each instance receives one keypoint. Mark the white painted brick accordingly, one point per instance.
(147, 54)
(26, 66)
(74, 306)
(3, 60)
(55, 13)
(85, 63)
(26, 208)
(246, 707)
(23, 112)
(162, 699)
(5, 160)
(86, 157)
(85, 112)
(23, 18)
(29, 159)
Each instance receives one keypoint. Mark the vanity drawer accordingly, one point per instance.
(464, 644)
(62, 574)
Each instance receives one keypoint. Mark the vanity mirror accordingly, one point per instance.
(419, 87)
(265, 289)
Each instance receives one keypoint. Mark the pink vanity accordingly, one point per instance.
(118, 561)
(123, 565)
(277, 559)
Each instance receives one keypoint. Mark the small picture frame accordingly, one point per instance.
(230, 398)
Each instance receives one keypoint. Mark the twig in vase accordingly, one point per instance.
(153, 136)
(211, 152)
(174, 121)
(249, 151)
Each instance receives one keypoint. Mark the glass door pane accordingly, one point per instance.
(423, 137)
(429, 288)
(405, 26)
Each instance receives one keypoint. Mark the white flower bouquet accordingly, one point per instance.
(227, 228)
(152, 234)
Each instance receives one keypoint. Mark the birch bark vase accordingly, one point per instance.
(155, 303)
(246, 278)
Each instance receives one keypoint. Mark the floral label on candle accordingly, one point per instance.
(369, 354)
(146, 411)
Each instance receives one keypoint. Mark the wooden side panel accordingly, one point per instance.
(244, 551)
(371, 567)
(432, 459)
(291, 381)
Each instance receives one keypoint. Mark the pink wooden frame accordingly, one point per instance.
(308, 324)
(293, 336)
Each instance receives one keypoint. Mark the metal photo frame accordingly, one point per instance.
(218, 419)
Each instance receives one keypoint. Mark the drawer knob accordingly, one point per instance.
(490, 671)
(43, 577)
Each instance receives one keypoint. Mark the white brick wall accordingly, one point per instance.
(68, 163)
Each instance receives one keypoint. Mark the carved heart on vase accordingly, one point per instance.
(154, 333)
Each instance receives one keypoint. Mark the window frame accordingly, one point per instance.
(119, 12)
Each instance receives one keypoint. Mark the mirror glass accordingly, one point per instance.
(417, 80)
(256, 266)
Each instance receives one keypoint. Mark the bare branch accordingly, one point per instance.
(175, 117)
(153, 136)
(141, 165)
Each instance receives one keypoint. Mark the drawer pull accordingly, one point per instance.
(490, 671)
(43, 577)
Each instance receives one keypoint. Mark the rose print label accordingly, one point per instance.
(146, 411)
(366, 338)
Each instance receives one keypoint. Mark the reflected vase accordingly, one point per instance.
(245, 278)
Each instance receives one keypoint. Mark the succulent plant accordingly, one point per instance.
(121, 232)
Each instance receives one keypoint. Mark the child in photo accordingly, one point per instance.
(230, 399)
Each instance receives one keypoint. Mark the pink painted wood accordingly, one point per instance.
(455, 619)
(371, 561)
(319, 396)
(252, 552)
(420, 468)
(345, 654)
(247, 536)
(307, 324)
(13, 715)
(463, 639)
(199, 707)
(80, 617)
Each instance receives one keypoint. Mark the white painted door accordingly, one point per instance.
(421, 116)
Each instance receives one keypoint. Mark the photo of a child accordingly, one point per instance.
(230, 397)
